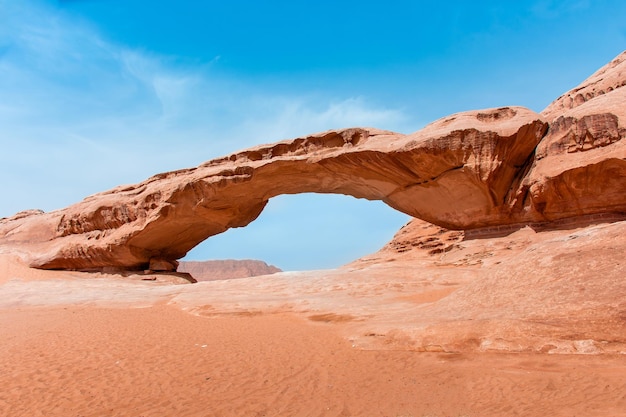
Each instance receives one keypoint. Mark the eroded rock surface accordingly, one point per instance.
(470, 170)
(580, 165)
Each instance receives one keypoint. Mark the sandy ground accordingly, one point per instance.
(525, 324)
(156, 361)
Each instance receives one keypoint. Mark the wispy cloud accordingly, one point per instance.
(80, 113)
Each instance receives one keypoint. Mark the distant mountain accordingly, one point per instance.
(226, 269)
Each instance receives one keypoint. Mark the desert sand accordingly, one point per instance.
(156, 361)
(403, 332)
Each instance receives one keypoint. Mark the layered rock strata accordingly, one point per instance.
(580, 165)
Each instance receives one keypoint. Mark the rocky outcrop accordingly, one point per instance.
(470, 170)
(580, 165)
(607, 79)
(226, 269)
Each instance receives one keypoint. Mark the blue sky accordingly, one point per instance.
(97, 93)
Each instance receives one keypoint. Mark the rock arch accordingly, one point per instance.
(465, 171)
(456, 172)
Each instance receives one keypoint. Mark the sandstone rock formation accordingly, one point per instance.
(580, 165)
(226, 269)
(470, 170)
(534, 289)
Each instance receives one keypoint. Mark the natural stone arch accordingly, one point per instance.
(457, 172)
(465, 171)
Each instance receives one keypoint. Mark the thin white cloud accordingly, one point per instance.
(273, 118)
(79, 113)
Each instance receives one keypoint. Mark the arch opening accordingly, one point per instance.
(307, 231)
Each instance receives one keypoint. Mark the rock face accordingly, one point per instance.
(226, 269)
(580, 165)
(470, 170)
